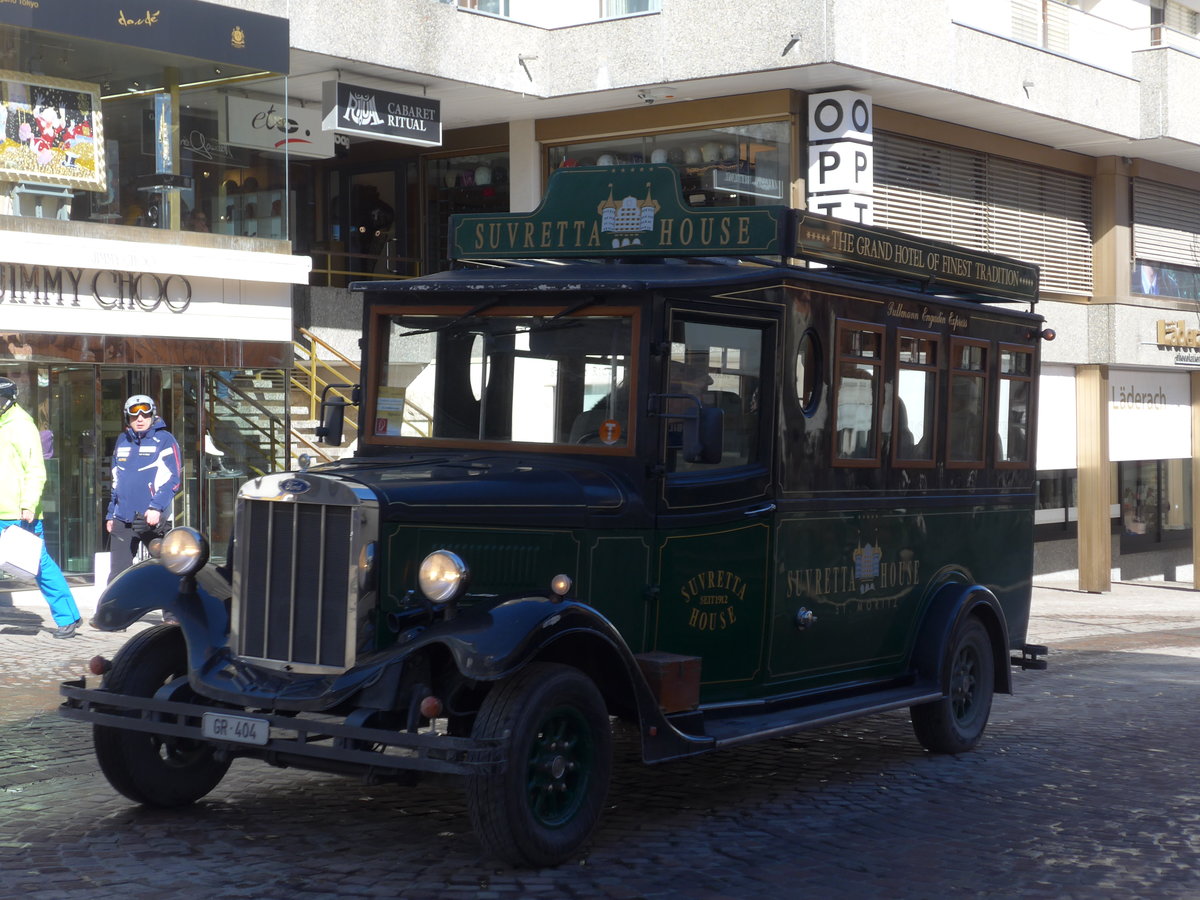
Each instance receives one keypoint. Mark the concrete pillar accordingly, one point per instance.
(1112, 215)
(1195, 385)
(1095, 529)
(524, 167)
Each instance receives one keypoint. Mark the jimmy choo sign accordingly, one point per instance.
(104, 288)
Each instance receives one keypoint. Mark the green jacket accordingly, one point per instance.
(22, 466)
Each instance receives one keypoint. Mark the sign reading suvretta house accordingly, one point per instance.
(825, 239)
(618, 211)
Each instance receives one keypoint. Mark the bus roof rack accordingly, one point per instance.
(636, 213)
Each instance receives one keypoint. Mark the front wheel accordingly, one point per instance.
(556, 742)
(148, 768)
(955, 723)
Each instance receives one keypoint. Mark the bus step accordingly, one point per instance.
(1029, 657)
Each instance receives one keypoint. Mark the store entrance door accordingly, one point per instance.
(373, 222)
(74, 525)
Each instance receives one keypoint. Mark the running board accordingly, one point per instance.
(729, 731)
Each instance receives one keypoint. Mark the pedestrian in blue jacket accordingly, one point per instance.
(146, 475)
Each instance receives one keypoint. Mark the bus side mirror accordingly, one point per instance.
(704, 435)
(333, 416)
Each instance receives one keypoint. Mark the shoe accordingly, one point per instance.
(68, 631)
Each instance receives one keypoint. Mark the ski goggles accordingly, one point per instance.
(140, 409)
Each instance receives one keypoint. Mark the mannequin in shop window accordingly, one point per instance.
(372, 230)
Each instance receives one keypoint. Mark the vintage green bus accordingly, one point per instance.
(722, 473)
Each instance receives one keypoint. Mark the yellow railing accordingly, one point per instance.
(312, 375)
(319, 374)
(337, 268)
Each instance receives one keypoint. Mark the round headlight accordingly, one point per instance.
(184, 551)
(443, 576)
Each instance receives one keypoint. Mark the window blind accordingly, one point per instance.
(991, 203)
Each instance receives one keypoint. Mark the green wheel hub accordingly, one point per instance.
(964, 682)
(561, 760)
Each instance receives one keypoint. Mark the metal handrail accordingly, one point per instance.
(323, 265)
(255, 424)
(319, 371)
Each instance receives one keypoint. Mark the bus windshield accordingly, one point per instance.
(549, 378)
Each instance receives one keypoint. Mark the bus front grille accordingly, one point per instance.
(293, 601)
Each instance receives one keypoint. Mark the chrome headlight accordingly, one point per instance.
(366, 567)
(184, 551)
(443, 576)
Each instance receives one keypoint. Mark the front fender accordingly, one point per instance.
(148, 586)
(493, 643)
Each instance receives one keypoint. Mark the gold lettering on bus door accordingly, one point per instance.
(710, 596)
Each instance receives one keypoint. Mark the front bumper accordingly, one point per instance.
(322, 743)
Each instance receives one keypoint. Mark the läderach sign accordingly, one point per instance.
(836, 242)
(619, 211)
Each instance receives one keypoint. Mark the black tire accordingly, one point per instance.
(556, 739)
(955, 723)
(147, 768)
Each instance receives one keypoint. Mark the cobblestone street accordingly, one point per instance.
(1084, 786)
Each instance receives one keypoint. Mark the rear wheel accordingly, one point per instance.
(955, 723)
(148, 768)
(556, 743)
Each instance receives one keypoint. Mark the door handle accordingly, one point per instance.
(761, 510)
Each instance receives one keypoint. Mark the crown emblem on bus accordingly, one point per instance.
(627, 219)
(866, 567)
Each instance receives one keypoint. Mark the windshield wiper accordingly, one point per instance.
(469, 314)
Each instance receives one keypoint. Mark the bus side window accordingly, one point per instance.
(968, 403)
(1012, 405)
(858, 376)
(915, 437)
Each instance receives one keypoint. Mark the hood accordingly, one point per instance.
(491, 490)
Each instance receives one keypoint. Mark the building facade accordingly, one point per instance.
(1060, 133)
(127, 263)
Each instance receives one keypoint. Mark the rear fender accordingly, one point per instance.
(951, 605)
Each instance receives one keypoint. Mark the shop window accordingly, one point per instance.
(736, 165)
(145, 144)
(916, 394)
(856, 394)
(1159, 279)
(477, 183)
(1057, 505)
(1012, 406)
(968, 403)
(1155, 503)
